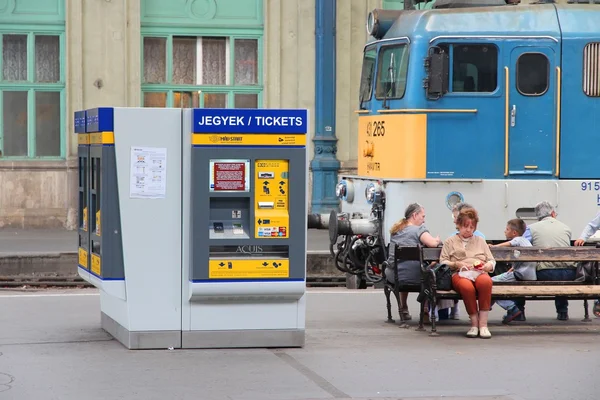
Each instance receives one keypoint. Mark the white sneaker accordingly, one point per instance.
(473, 332)
(485, 333)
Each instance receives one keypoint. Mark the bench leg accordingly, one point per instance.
(421, 315)
(403, 323)
(432, 307)
(388, 292)
(586, 311)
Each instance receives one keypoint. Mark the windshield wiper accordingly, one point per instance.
(391, 81)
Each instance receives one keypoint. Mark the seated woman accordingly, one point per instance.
(450, 307)
(464, 250)
(410, 231)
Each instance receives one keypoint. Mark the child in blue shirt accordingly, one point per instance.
(521, 271)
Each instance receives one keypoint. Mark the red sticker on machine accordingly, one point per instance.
(229, 176)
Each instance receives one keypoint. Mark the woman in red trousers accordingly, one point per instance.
(470, 254)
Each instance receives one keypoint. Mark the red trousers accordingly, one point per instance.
(471, 291)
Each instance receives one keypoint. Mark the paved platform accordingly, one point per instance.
(52, 347)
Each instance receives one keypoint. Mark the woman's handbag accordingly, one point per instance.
(471, 274)
(443, 277)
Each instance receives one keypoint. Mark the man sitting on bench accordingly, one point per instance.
(590, 229)
(550, 232)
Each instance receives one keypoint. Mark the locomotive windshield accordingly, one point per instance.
(391, 71)
(366, 79)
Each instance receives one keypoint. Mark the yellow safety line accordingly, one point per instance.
(506, 123)
(558, 93)
(427, 110)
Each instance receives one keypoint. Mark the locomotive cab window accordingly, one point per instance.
(533, 70)
(391, 72)
(368, 71)
(474, 67)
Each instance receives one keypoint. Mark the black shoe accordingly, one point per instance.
(562, 316)
(521, 317)
(511, 315)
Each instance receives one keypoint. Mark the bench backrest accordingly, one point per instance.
(411, 253)
(506, 254)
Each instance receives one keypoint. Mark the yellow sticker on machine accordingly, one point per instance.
(102, 138)
(85, 219)
(83, 139)
(271, 184)
(273, 225)
(241, 139)
(83, 258)
(98, 219)
(96, 264)
(248, 269)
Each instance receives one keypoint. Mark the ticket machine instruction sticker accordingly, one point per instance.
(272, 225)
(229, 175)
(271, 199)
(271, 183)
(85, 219)
(98, 221)
(83, 258)
(96, 264)
(248, 269)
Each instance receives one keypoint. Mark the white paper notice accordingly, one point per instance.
(148, 173)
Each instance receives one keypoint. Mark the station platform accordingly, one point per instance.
(52, 347)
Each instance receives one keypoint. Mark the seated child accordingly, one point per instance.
(521, 271)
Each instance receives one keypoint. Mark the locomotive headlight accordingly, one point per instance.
(372, 191)
(371, 23)
(344, 190)
(340, 190)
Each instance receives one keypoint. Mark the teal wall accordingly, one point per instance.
(226, 14)
(37, 12)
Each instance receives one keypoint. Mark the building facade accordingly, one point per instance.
(59, 56)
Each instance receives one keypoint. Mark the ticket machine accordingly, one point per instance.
(193, 225)
(130, 207)
(244, 227)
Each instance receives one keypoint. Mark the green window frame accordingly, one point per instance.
(51, 95)
(170, 93)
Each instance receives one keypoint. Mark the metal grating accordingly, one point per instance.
(591, 69)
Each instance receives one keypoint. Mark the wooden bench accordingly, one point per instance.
(529, 290)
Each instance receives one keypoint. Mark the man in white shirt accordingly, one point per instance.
(592, 227)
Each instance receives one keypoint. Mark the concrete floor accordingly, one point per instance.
(61, 241)
(52, 347)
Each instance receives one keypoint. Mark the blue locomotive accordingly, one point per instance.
(480, 101)
(494, 105)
